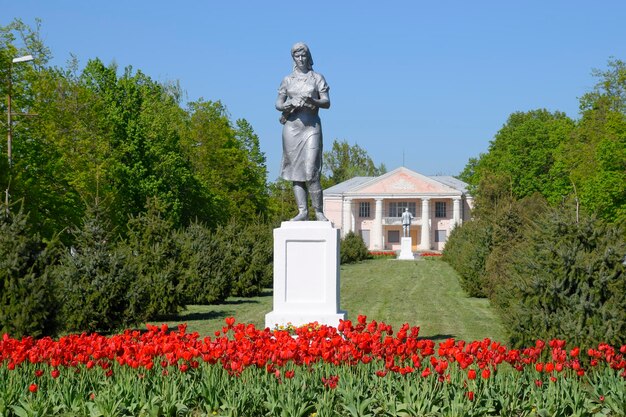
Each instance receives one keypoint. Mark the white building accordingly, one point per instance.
(373, 206)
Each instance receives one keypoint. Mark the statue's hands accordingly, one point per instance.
(287, 105)
(310, 102)
(298, 102)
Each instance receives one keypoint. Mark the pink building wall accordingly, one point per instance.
(400, 185)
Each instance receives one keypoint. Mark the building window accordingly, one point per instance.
(440, 209)
(396, 208)
(364, 209)
(393, 236)
(441, 235)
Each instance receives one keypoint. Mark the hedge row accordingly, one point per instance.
(101, 283)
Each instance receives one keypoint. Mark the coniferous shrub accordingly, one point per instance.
(509, 229)
(153, 256)
(27, 293)
(569, 282)
(253, 265)
(353, 249)
(467, 250)
(93, 279)
(206, 268)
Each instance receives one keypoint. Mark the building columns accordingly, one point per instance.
(377, 234)
(425, 238)
(456, 213)
(347, 217)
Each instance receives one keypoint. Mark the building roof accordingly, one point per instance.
(347, 185)
(356, 183)
(451, 182)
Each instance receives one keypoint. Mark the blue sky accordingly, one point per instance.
(427, 83)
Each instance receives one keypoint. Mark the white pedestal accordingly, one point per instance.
(405, 249)
(306, 275)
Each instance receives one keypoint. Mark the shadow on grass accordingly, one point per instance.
(239, 301)
(438, 337)
(253, 300)
(204, 315)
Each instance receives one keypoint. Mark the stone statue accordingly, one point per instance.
(406, 222)
(300, 96)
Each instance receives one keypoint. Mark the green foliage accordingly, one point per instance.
(235, 259)
(596, 157)
(353, 249)
(610, 89)
(525, 272)
(120, 137)
(344, 161)
(205, 266)
(253, 266)
(93, 279)
(282, 202)
(144, 127)
(522, 154)
(480, 250)
(570, 279)
(27, 292)
(466, 250)
(154, 258)
(227, 160)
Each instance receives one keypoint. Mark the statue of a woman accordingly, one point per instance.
(300, 96)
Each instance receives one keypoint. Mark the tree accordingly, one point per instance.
(93, 278)
(282, 202)
(227, 160)
(611, 88)
(153, 255)
(28, 306)
(206, 264)
(146, 126)
(32, 157)
(346, 161)
(569, 281)
(595, 157)
(522, 155)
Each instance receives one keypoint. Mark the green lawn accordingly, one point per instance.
(423, 293)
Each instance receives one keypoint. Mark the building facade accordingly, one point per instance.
(372, 207)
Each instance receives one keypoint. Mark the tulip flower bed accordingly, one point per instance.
(430, 255)
(383, 254)
(361, 369)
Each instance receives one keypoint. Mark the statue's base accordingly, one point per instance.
(405, 249)
(306, 275)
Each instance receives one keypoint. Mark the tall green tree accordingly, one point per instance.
(595, 157)
(227, 159)
(522, 155)
(345, 161)
(30, 154)
(146, 125)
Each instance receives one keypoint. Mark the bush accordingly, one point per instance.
(509, 228)
(480, 249)
(353, 249)
(153, 256)
(466, 251)
(235, 259)
(205, 266)
(93, 279)
(569, 282)
(27, 294)
(253, 267)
